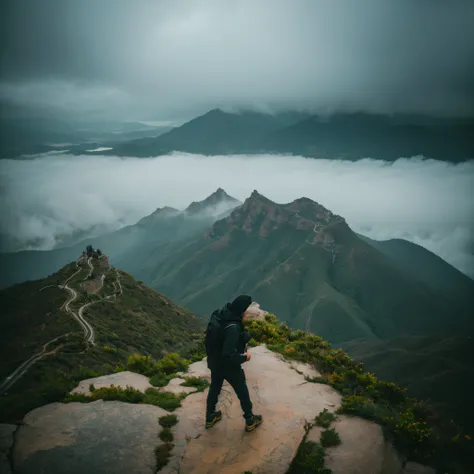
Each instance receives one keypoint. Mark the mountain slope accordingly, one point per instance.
(88, 315)
(306, 262)
(360, 135)
(438, 369)
(215, 132)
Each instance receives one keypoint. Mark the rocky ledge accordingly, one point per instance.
(116, 437)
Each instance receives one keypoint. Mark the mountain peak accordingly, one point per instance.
(256, 196)
(217, 202)
(157, 214)
(262, 216)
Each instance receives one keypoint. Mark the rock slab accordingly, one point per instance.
(362, 450)
(279, 393)
(119, 379)
(98, 437)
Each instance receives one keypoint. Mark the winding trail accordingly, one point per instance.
(89, 334)
(23, 368)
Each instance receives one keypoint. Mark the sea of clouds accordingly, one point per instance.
(424, 201)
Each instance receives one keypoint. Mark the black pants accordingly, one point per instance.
(236, 379)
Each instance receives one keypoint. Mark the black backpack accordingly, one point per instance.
(215, 335)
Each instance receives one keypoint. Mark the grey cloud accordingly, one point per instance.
(157, 59)
(425, 201)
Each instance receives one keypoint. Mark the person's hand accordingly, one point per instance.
(249, 356)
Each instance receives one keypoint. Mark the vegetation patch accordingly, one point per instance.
(197, 382)
(325, 418)
(330, 437)
(166, 400)
(162, 455)
(414, 428)
(160, 380)
(112, 393)
(309, 459)
(168, 421)
(166, 435)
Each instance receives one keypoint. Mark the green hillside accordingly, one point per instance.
(435, 368)
(126, 316)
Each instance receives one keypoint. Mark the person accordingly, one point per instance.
(225, 354)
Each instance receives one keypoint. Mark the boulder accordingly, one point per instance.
(80, 438)
(119, 379)
(254, 313)
(363, 449)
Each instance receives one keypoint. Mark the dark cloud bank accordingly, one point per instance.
(165, 60)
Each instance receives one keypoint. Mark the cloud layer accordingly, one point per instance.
(161, 59)
(424, 201)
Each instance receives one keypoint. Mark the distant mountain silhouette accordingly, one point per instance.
(345, 136)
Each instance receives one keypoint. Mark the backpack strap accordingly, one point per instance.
(229, 325)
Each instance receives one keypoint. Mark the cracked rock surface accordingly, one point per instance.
(98, 437)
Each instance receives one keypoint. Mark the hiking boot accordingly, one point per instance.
(213, 418)
(253, 422)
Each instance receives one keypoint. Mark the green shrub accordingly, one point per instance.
(167, 421)
(91, 387)
(128, 394)
(162, 455)
(330, 437)
(166, 400)
(325, 418)
(358, 405)
(390, 392)
(77, 397)
(112, 393)
(172, 363)
(166, 435)
(309, 459)
(200, 384)
(160, 380)
(141, 364)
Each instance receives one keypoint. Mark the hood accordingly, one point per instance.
(227, 315)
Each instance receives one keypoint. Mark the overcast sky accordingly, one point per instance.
(172, 59)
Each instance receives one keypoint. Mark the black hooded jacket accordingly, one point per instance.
(235, 339)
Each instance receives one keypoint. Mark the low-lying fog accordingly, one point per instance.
(424, 201)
